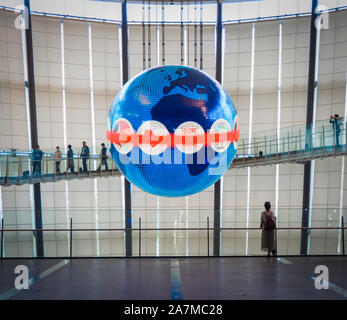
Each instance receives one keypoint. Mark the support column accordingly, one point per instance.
(306, 210)
(33, 125)
(217, 185)
(127, 186)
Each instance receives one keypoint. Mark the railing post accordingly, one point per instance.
(78, 165)
(19, 169)
(70, 238)
(343, 236)
(54, 168)
(296, 144)
(101, 165)
(323, 134)
(139, 236)
(265, 149)
(2, 238)
(208, 236)
(43, 170)
(277, 143)
(7, 169)
(302, 155)
(67, 166)
(288, 146)
(243, 150)
(335, 142)
(311, 142)
(89, 166)
(283, 145)
(31, 169)
(345, 135)
(255, 151)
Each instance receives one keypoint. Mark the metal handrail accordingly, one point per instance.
(255, 145)
(140, 230)
(242, 159)
(170, 229)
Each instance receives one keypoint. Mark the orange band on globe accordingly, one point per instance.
(171, 140)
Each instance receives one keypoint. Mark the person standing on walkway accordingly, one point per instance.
(85, 155)
(70, 162)
(37, 156)
(57, 159)
(335, 121)
(268, 226)
(103, 157)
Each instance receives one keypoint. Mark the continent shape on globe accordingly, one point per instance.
(173, 131)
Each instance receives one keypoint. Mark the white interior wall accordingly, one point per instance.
(173, 212)
(13, 126)
(330, 100)
(106, 83)
(16, 202)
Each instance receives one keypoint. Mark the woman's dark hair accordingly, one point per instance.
(267, 205)
(69, 146)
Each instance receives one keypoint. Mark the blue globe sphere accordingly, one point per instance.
(173, 131)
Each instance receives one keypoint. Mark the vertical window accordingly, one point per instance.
(278, 111)
(250, 132)
(67, 200)
(342, 178)
(313, 162)
(92, 120)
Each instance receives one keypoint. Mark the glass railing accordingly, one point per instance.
(19, 166)
(294, 143)
(82, 233)
(297, 141)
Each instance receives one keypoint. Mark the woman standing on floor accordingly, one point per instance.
(268, 226)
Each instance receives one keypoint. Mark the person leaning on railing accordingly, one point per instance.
(335, 121)
(57, 159)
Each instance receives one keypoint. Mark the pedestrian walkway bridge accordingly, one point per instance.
(290, 145)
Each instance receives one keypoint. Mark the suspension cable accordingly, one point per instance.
(188, 5)
(201, 37)
(149, 35)
(182, 35)
(143, 35)
(162, 33)
(195, 35)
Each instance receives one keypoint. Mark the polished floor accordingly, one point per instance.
(175, 278)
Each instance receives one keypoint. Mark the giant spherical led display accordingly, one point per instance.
(173, 131)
